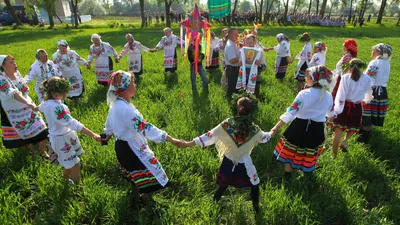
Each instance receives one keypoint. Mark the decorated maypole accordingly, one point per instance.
(197, 27)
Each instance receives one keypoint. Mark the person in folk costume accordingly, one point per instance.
(349, 52)
(214, 50)
(221, 47)
(62, 128)
(305, 57)
(250, 75)
(169, 42)
(68, 61)
(20, 124)
(319, 57)
(131, 130)
(235, 139)
(301, 144)
(193, 63)
(101, 51)
(41, 70)
(379, 70)
(282, 55)
(133, 49)
(355, 88)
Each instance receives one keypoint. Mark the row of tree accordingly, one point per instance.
(261, 7)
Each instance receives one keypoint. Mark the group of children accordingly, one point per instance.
(357, 100)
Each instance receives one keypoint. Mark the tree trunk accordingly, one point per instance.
(12, 11)
(51, 21)
(323, 7)
(286, 8)
(59, 19)
(234, 11)
(261, 7)
(141, 2)
(255, 7)
(167, 10)
(74, 5)
(381, 10)
(316, 11)
(398, 22)
(309, 8)
(350, 13)
(330, 10)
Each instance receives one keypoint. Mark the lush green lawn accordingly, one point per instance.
(360, 187)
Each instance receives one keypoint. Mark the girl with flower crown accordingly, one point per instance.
(305, 57)
(303, 141)
(235, 139)
(355, 88)
(379, 70)
(62, 128)
(41, 70)
(135, 158)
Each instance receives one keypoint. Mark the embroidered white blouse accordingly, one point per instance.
(379, 71)
(170, 41)
(58, 117)
(353, 91)
(282, 49)
(318, 59)
(308, 105)
(104, 49)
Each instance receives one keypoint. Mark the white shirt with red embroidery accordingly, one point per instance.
(318, 59)
(379, 71)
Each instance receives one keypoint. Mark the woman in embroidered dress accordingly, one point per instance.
(235, 139)
(302, 142)
(69, 61)
(282, 55)
(169, 42)
(350, 51)
(62, 128)
(379, 70)
(355, 87)
(319, 57)
(20, 124)
(41, 70)
(101, 51)
(131, 130)
(133, 48)
(305, 58)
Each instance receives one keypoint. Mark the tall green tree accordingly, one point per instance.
(50, 7)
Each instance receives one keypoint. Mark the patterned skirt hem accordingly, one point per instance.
(343, 127)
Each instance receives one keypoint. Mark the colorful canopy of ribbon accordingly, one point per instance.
(219, 8)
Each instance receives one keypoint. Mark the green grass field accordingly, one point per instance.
(360, 187)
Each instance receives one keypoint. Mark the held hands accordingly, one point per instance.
(117, 60)
(97, 137)
(88, 66)
(180, 143)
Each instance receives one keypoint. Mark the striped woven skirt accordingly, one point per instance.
(231, 174)
(281, 68)
(374, 112)
(301, 144)
(133, 169)
(350, 119)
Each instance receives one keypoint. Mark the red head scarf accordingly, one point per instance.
(351, 45)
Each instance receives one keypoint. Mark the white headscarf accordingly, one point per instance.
(96, 36)
(118, 82)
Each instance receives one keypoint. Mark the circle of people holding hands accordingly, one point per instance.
(353, 97)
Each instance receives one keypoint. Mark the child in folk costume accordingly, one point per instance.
(302, 142)
(214, 50)
(62, 128)
(235, 139)
(101, 51)
(69, 61)
(169, 42)
(282, 55)
(250, 73)
(319, 57)
(131, 130)
(41, 70)
(355, 88)
(379, 70)
(349, 52)
(133, 48)
(305, 58)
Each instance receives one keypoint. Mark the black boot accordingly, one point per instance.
(287, 176)
(219, 193)
(255, 193)
(363, 136)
